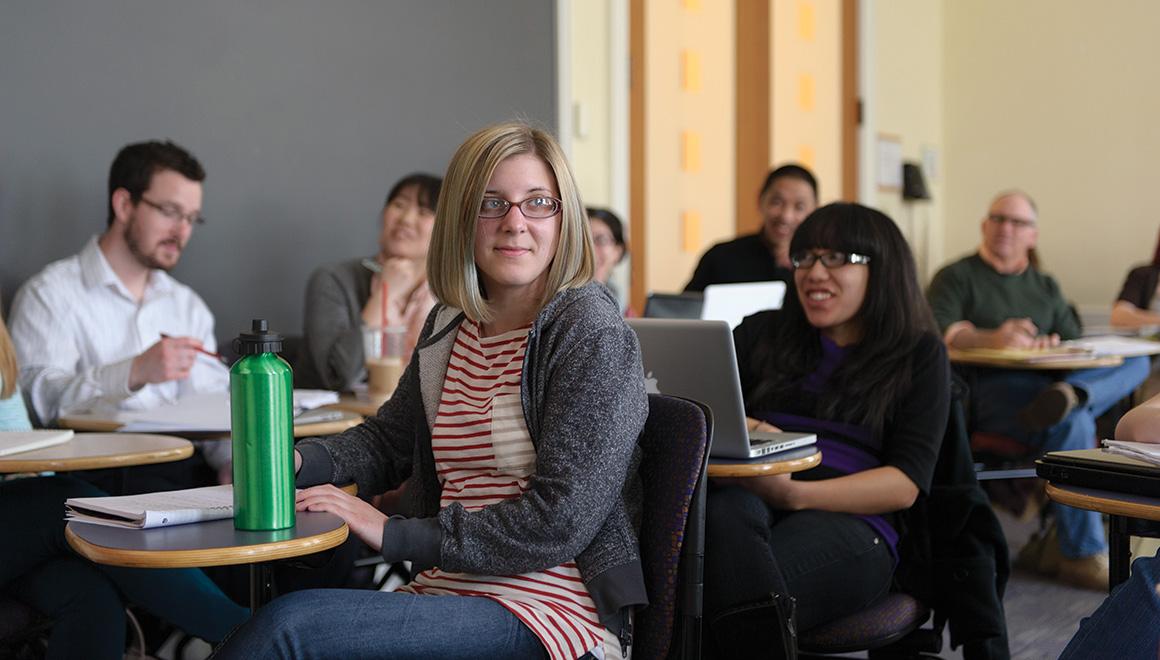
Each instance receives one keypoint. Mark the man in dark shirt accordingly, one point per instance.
(790, 193)
(997, 298)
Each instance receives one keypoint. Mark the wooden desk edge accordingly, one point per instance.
(1110, 506)
(12, 465)
(757, 469)
(208, 556)
(958, 356)
(330, 427)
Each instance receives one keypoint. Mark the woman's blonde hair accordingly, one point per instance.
(7, 363)
(451, 270)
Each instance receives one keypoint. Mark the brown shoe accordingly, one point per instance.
(1086, 572)
(1049, 407)
(1041, 553)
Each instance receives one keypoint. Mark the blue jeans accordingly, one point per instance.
(346, 623)
(1001, 393)
(87, 600)
(1127, 624)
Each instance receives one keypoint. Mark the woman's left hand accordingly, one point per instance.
(364, 520)
(777, 490)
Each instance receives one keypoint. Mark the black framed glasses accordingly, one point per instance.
(536, 208)
(805, 260)
(1017, 223)
(174, 213)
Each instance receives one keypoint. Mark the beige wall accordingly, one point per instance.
(704, 27)
(907, 102)
(1060, 98)
(806, 68)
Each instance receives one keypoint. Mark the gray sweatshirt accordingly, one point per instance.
(585, 405)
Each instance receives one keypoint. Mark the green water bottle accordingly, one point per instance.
(262, 425)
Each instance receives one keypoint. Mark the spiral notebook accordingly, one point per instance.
(174, 507)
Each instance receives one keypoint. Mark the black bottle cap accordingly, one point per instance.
(258, 340)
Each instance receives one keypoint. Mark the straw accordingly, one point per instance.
(383, 319)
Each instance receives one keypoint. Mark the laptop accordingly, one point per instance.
(695, 359)
(1099, 469)
(733, 302)
(674, 305)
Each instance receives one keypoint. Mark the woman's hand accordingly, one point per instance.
(364, 520)
(758, 425)
(779, 491)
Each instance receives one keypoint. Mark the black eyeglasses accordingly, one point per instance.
(1017, 223)
(174, 213)
(536, 208)
(806, 260)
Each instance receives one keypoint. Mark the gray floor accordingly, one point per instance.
(1041, 615)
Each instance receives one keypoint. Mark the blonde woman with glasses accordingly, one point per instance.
(515, 424)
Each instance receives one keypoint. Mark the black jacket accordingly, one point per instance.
(954, 555)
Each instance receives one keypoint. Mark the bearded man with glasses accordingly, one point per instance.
(998, 298)
(108, 329)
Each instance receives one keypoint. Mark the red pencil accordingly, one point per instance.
(211, 354)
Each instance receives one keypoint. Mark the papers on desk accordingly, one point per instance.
(176, 507)
(1141, 451)
(207, 412)
(1063, 353)
(14, 442)
(1117, 345)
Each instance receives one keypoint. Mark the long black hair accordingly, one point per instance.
(894, 316)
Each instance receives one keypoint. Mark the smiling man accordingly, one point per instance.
(998, 298)
(88, 329)
(789, 194)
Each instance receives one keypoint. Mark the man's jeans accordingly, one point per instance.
(1000, 393)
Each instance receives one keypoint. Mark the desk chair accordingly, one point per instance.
(672, 537)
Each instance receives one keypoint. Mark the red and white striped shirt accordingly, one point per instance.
(484, 455)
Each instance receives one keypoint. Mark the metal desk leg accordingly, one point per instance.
(260, 586)
(1119, 551)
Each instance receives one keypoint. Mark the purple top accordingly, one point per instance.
(846, 448)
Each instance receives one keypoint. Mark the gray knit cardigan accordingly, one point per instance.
(584, 403)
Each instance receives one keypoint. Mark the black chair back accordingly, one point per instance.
(672, 536)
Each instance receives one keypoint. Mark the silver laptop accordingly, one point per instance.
(695, 359)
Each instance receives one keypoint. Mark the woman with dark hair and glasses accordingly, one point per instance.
(342, 297)
(608, 243)
(853, 356)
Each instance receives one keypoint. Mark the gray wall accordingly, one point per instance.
(303, 113)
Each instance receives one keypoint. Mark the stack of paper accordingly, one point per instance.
(175, 507)
(1115, 345)
(14, 442)
(207, 412)
(1141, 451)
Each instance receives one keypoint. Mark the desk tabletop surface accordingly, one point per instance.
(104, 423)
(1104, 501)
(356, 402)
(91, 451)
(987, 359)
(762, 467)
(214, 543)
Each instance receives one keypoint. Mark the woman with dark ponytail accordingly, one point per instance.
(853, 357)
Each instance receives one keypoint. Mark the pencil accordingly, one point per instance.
(203, 351)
